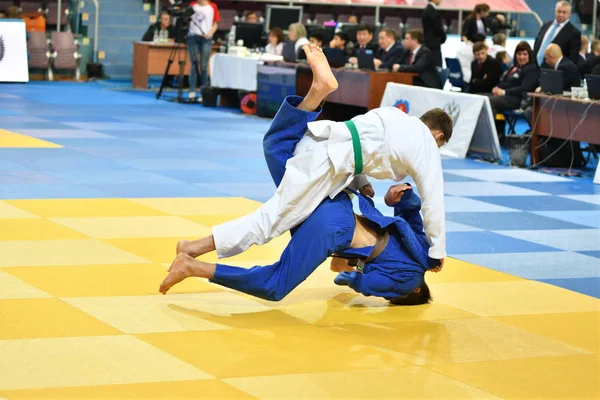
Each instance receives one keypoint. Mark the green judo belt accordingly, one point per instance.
(358, 160)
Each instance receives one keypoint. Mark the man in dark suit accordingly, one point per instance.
(364, 45)
(433, 30)
(554, 59)
(390, 51)
(561, 32)
(418, 59)
(586, 64)
(485, 70)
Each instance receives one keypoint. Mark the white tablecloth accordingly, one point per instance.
(234, 72)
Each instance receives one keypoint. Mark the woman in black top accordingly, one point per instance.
(523, 77)
(474, 28)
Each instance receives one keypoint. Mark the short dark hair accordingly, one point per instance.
(477, 47)
(499, 38)
(389, 32)
(365, 27)
(524, 46)
(414, 299)
(343, 36)
(438, 119)
(500, 56)
(416, 34)
(317, 36)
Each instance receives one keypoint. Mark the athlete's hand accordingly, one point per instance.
(394, 193)
(438, 269)
(367, 190)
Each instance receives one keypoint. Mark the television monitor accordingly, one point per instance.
(282, 16)
(251, 34)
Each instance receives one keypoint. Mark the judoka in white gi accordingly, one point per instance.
(385, 143)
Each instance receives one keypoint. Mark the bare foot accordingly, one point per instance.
(323, 80)
(182, 267)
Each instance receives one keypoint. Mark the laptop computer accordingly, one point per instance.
(365, 60)
(593, 86)
(551, 81)
(289, 51)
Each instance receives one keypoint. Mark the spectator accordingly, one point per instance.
(316, 39)
(364, 38)
(433, 31)
(555, 60)
(251, 17)
(561, 32)
(276, 38)
(465, 58)
(582, 61)
(339, 41)
(593, 62)
(418, 59)
(203, 26)
(160, 29)
(336, 53)
(474, 28)
(499, 40)
(504, 59)
(497, 24)
(352, 19)
(515, 83)
(390, 52)
(485, 70)
(297, 34)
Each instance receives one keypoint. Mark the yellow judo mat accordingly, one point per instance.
(80, 317)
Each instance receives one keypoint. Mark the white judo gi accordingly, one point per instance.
(394, 145)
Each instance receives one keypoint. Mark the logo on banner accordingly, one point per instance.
(452, 108)
(403, 105)
(2, 48)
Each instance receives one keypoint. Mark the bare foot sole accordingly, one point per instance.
(178, 271)
(323, 80)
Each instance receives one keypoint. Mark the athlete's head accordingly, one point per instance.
(440, 125)
(420, 295)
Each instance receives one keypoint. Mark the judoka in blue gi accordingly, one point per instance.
(375, 255)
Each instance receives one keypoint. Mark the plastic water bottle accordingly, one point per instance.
(155, 40)
(231, 37)
(585, 90)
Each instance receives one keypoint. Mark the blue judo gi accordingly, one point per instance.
(397, 271)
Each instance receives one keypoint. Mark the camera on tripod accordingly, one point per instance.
(181, 13)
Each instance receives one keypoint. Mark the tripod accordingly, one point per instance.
(175, 52)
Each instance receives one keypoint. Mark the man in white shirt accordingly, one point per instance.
(561, 32)
(385, 143)
(203, 26)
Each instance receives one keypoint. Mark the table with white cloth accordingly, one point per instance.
(228, 71)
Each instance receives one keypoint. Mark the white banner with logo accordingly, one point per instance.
(13, 51)
(474, 128)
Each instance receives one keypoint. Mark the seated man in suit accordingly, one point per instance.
(160, 30)
(418, 59)
(364, 39)
(390, 51)
(485, 70)
(555, 60)
(592, 59)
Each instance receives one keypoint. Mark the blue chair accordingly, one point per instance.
(443, 75)
(512, 117)
(456, 76)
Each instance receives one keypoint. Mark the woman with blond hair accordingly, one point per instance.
(297, 33)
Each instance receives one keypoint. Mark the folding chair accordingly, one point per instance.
(39, 53)
(66, 52)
